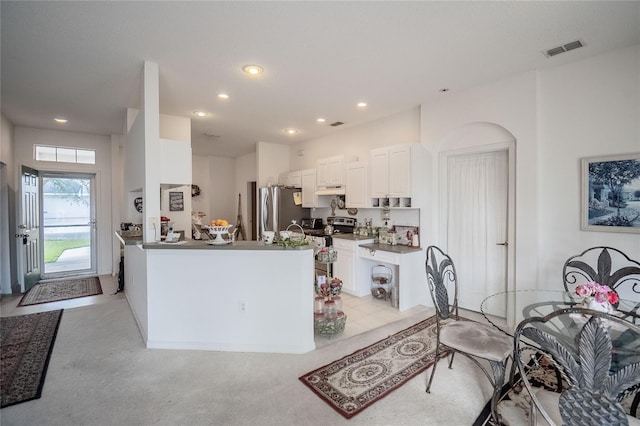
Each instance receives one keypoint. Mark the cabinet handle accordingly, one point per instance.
(506, 243)
(372, 252)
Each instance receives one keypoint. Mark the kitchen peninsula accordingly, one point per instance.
(245, 296)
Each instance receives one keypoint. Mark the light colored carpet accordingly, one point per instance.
(101, 374)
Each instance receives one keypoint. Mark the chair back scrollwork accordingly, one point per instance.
(442, 281)
(606, 266)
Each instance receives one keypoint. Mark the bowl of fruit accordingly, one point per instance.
(219, 229)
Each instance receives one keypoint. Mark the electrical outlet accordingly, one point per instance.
(242, 306)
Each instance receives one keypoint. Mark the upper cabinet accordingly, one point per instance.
(309, 197)
(330, 171)
(291, 179)
(356, 188)
(395, 171)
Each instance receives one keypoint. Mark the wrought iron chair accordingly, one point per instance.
(472, 339)
(599, 356)
(606, 266)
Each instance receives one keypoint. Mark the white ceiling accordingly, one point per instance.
(83, 60)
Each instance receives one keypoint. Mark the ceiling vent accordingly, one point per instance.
(564, 48)
(337, 123)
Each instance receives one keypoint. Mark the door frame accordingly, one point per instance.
(92, 176)
(443, 180)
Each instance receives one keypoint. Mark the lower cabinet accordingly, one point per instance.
(346, 268)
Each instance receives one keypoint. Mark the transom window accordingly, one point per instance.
(60, 154)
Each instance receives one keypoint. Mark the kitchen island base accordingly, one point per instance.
(241, 297)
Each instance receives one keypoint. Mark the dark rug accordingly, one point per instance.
(515, 402)
(354, 382)
(26, 342)
(54, 291)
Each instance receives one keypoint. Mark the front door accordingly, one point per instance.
(28, 235)
(68, 218)
(477, 214)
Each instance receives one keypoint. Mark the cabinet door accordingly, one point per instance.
(308, 180)
(295, 179)
(336, 171)
(400, 171)
(322, 172)
(356, 185)
(343, 269)
(379, 172)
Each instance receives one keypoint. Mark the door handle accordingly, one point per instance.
(506, 243)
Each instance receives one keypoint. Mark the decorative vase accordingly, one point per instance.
(590, 302)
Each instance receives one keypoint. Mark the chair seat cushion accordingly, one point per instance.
(481, 340)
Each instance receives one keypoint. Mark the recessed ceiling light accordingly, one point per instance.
(200, 113)
(320, 120)
(223, 96)
(252, 70)
(60, 120)
(290, 131)
(361, 105)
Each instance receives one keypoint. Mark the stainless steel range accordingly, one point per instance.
(342, 224)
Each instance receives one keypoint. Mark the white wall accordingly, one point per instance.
(272, 159)
(557, 116)
(26, 138)
(8, 272)
(590, 108)
(224, 199)
(401, 128)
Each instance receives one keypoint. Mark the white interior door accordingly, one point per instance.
(477, 214)
(28, 232)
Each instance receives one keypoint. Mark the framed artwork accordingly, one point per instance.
(176, 201)
(611, 193)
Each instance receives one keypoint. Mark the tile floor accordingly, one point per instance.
(366, 313)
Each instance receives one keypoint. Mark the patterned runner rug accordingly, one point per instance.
(53, 291)
(351, 384)
(26, 342)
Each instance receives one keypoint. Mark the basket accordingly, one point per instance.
(381, 282)
(330, 327)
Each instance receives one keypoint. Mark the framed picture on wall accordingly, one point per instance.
(176, 201)
(611, 193)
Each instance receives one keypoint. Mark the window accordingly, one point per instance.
(61, 154)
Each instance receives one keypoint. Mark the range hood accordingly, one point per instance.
(330, 190)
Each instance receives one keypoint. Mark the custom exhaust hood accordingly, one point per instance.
(330, 190)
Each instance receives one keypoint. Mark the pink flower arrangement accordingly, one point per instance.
(601, 293)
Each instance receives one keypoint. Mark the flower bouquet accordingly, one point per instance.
(597, 297)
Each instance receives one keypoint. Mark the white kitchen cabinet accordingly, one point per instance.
(330, 171)
(308, 184)
(291, 179)
(346, 268)
(356, 185)
(396, 172)
(379, 173)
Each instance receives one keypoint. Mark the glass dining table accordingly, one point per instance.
(540, 303)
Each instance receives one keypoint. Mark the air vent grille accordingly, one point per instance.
(564, 48)
(337, 123)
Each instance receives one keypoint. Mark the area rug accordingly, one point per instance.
(54, 291)
(515, 402)
(26, 343)
(354, 382)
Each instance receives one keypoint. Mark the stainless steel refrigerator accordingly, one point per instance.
(277, 208)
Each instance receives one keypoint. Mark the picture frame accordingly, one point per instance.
(176, 201)
(610, 200)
